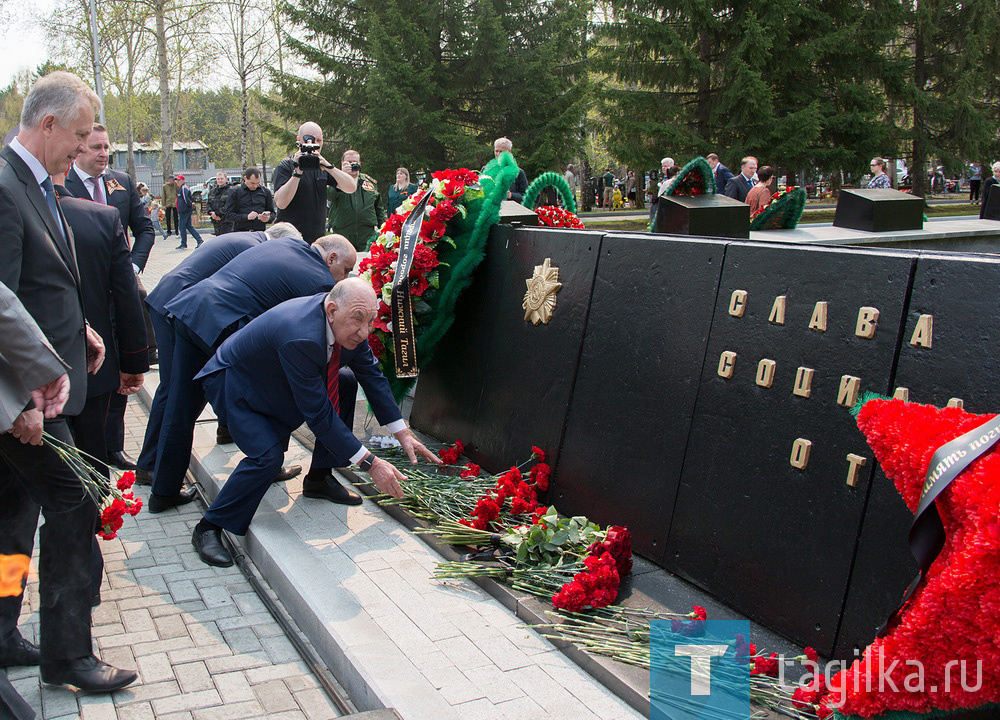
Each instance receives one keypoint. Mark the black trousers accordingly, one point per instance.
(33, 476)
(171, 212)
(88, 431)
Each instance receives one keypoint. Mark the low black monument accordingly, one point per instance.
(703, 215)
(879, 210)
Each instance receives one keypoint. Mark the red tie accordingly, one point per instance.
(333, 378)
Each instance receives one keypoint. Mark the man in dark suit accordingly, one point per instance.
(112, 307)
(205, 314)
(39, 265)
(300, 361)
(92, 179)
(193, 269)
(738, 186)
(721, 173)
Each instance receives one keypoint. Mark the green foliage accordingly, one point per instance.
(552, 537)
(430, 85)
(545, 180)
(783, 213)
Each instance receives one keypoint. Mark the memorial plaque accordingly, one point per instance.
(770, 503)
(879, 210)
(948, 351)
(507, 382)
(635, 390)
(703, 215)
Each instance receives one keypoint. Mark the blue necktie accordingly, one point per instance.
(50, 196)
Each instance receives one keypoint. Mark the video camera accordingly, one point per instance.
(309, 159)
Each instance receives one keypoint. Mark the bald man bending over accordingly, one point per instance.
(300, 184)
(288, 366)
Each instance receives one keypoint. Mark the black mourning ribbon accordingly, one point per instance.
(404, 339)
(927, 532)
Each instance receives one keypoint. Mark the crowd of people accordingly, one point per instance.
(263, 323)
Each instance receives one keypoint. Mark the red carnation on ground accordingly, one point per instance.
(450, 455)
(766, 665)
(470, 470)
(540, 476)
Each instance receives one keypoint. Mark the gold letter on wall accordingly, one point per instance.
(765, 372)
(803, 382)
(726, 362)
(800, 453)
(777, 315)
(867, 319)
(818, 321)
(738, 303)
(923, 333)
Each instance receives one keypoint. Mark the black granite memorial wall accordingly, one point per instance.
(637, 383)
(697, 390)
(879, 210)
(497, 382)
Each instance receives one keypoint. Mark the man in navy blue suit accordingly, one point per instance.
(300, 361)
(207, 313)
(739, 186)
(193, 269)
(721, 173)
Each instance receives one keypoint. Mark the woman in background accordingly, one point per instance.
(399, 191)
(760, 194)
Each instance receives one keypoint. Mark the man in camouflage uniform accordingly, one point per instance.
(357, 215)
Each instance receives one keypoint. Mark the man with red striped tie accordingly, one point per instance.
(300, 361)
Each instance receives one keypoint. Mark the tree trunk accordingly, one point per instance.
(244, 120)
(166, 124)
(918, 164)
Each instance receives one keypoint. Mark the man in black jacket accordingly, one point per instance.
(249, 206)
(112, 307)
(217, 203)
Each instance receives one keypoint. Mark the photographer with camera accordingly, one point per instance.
(300, 184)
(356, 215)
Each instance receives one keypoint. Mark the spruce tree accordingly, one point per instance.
(430, 85)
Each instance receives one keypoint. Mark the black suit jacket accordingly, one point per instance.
(110, 292)
(40, 267)
(738, 187)
(130, 208)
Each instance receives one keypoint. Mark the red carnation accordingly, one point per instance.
(471, 470)
(571, 597)
(766, 666)
(127, 480)
(540, 476)
(538, 453)
(375, 343)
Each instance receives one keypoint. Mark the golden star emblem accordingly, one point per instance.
(540, 299)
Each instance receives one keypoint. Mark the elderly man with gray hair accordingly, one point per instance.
(211, 258)
(39, 266)
(208, 312)
(300, 361)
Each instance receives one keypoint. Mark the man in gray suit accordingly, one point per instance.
(30, 369)
(39, 266)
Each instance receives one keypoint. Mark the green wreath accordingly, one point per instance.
(696, 178)
(545, 180)
(783, 213)
(459, 259)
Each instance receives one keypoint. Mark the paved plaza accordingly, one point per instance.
(359, 584)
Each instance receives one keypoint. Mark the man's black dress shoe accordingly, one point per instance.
(328, 488)
(121, 461)
(222, 436)
(210, 549)
(159, 503)
(143, 477)
(20, 652)
(287, 473)
(88, 674)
